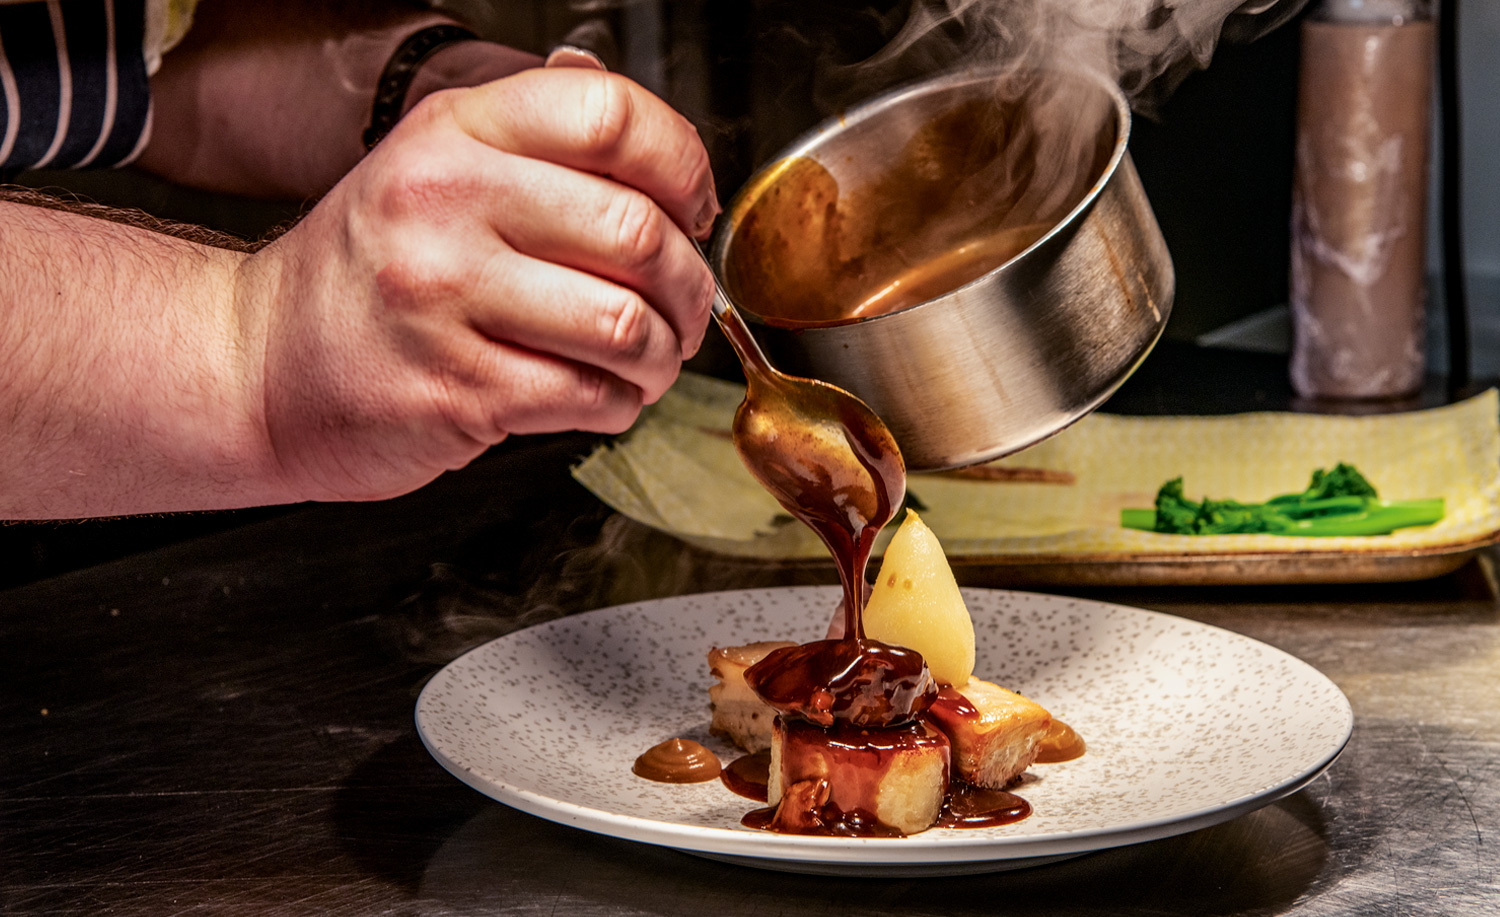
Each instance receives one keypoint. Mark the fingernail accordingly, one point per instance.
(574, 56)
(704, 221)
(690, 349)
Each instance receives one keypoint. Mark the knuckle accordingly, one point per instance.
(607, 111)
(612, 406)
(428, 112)
(422, 189)
(639, 230)
(421, 183)
(626, 324)
(419, 277)
(693, 171)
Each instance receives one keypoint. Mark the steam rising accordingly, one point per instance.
(1146, 46)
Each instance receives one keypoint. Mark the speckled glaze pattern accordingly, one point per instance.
(1187, 724)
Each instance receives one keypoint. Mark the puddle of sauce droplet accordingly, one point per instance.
(968, 806)
(1061, 743)
(748, 775)
(677, 761)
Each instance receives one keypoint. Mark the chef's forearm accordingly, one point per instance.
(129, 380)
(272, 99)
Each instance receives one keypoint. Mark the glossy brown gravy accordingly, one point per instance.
(860, 757)
(848, 707)
(968, 806)
(845, 682)
(964, 806)
(749, 775)
(845, 495)
(806, 466)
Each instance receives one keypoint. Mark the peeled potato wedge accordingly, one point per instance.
(915, 603)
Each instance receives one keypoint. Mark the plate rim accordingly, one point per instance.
(953, 846)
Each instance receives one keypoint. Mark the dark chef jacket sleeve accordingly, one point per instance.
(74, 91)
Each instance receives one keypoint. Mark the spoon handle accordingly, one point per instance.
(721, 304)
(752, 358)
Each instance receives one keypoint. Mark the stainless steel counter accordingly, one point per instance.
(224, 726)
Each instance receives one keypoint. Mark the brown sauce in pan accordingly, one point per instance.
(825, 241)
(948, 207)
(944, 272)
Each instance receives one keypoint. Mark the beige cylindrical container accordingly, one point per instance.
(1359, 201)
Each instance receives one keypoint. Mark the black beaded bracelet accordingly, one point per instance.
(395, 79)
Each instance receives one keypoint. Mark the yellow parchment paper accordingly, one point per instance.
(676, 470)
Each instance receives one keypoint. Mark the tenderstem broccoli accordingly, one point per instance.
(1339, 501)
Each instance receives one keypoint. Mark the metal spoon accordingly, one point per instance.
(820, 451)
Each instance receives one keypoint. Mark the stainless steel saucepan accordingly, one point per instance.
(973, 255)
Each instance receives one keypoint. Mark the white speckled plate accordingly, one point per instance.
(1187, 725)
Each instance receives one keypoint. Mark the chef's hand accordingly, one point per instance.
(511, 258)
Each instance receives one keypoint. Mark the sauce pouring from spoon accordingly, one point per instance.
(832, 463)
(826, 457)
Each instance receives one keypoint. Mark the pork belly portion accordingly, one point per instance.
(861, 781)
(739, 715)
(995, 732)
